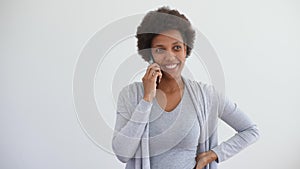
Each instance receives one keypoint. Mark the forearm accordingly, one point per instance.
(125, 145)
(236, 143)
(247, 131)
(127, 138)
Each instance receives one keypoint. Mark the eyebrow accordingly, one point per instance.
(159, 45)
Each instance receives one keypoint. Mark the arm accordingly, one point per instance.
(219, 106)
(130, 126)
(132, 118)
(247, 131)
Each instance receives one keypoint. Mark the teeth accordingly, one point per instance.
(171, 66)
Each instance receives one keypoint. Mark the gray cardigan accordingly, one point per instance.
(131, 137)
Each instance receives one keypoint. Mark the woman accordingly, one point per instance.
(168, 121)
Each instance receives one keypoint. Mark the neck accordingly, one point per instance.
(171, 84)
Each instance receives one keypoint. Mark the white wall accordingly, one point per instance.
(257, 43)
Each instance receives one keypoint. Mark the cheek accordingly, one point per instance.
(182, 55)
(158, 59)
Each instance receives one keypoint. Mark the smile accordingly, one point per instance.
(171, 66)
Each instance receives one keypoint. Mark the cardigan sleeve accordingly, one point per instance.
(131, 121)
(247, 131)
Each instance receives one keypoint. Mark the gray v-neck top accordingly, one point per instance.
(131, 142)
(173, 135)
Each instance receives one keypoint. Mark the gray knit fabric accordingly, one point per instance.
(132, 139)
(174, 135)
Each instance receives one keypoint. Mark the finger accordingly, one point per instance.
(150, 67)
(153, 74)
(160, 76)
(157, 76)
(153, 71)
(156, 69)
(199, 166)
(156, 72)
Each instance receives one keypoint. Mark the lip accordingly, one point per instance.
(171, 66)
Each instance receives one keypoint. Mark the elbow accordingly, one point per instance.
(256, 133)
(253, 134)
(123, 159)
(116, 150)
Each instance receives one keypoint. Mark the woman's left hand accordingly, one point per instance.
(205, 158)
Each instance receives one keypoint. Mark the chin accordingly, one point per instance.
(171, 74)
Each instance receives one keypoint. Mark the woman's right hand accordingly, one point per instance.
(149, 81)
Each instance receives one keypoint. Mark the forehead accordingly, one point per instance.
(167, 37)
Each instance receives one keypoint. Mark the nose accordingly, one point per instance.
(170, 55)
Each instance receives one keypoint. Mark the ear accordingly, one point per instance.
(185, 50)
(185, 47)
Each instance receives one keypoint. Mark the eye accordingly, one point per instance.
(177, 47)
(159, 50)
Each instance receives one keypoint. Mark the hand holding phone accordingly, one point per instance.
(151, 61)
(151, 80)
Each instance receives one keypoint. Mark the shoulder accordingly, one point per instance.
(199, 86)
(134, 87)
(204, 92)
(133, 91)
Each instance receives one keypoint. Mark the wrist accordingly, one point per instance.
(147, 99)
(212, 156)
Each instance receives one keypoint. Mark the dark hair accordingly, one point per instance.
(160, 20)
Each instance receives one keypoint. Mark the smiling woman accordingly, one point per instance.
(169, 51)
(168, 121)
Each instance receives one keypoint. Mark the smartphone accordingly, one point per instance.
(151, 61)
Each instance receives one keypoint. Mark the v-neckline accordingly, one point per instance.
(176, 107)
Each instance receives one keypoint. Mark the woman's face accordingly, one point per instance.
(169, 51)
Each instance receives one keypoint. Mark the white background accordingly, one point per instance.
(257, 43)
